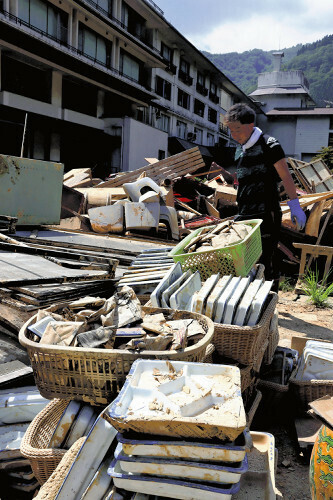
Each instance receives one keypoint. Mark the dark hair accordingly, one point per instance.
(240, 113)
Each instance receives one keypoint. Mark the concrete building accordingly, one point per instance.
(104, 84)
(290, 112)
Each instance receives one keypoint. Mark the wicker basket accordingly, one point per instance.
(237, 259)
(35, 442)
(306, 391)
(241, 343)
(97, 375)
(273, 339)
(253, 408)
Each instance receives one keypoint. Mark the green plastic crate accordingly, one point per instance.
(237, 259)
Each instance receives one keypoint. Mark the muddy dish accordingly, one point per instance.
(180, 399)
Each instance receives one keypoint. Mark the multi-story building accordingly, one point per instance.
(103, 84)
(291, 114)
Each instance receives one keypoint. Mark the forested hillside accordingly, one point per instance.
(315, 59)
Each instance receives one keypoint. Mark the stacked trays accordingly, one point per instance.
(182, 430)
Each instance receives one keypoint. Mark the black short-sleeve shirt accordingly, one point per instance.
(257, 177)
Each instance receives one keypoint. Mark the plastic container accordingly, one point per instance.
(161, 446)
(237, 259)
(182, 400)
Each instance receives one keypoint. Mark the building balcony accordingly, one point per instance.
(170, 68)
(201, 89)
(60, 42)
(185, 77)
(214, 98)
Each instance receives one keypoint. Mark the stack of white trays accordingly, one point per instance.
(168, 467)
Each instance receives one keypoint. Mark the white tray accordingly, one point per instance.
(171, 488)
(160, 446)
(202, 399)
(181, 469)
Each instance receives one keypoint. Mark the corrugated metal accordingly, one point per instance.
(30, 190)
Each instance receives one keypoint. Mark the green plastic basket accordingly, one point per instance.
(237, 259)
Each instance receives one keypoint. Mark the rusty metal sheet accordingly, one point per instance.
(30, 190)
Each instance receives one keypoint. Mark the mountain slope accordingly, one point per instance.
(315, 59)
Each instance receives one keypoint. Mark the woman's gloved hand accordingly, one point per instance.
(298, 217)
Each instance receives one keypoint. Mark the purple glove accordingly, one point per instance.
(298, 217)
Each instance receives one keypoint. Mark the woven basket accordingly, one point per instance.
(35, 442)
(306, 391)
(51, 487)
(97, 375)
(241, 343)
(273, 339)
(253, 408)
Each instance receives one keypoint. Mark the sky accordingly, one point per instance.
(222, 26)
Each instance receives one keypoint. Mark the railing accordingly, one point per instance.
(74, 50)
(201, 89)
(171, 68)
(185, 77)
(214, 98)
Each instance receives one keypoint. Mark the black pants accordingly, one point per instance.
(270, 233)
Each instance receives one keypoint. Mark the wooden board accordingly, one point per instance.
(172, 167)
(323, 407)
(20, 269)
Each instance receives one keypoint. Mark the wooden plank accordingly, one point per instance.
(323, 407)
(171, 167)
(313, 221)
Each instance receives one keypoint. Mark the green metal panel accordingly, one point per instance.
(31, 190)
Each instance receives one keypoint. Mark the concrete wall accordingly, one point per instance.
(284, 131)
(311, 135)
(141, 141)
(281, 79)
(280, 101)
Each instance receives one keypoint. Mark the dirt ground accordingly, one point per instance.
(297, 317)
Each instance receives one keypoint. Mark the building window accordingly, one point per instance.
(200, 86)
(161, 154)
(45, 17)
(130, 66)
(166, 53)
(163, 122)
(198, 135)
(184, 72)
(199, 108)
(330, 140)
(210, 140)
(213, 93)
(331, 122)
(181, 129)
(104, 5)
(183, 99)
(26, 80)
(226, 100)
(212, 115)
(132, 21)
(163, 88)
(94, 46)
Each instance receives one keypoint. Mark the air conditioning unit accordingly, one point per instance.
(191, 136)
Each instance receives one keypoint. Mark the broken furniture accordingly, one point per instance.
(315, 251)
(314, 176)
(183, 163)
